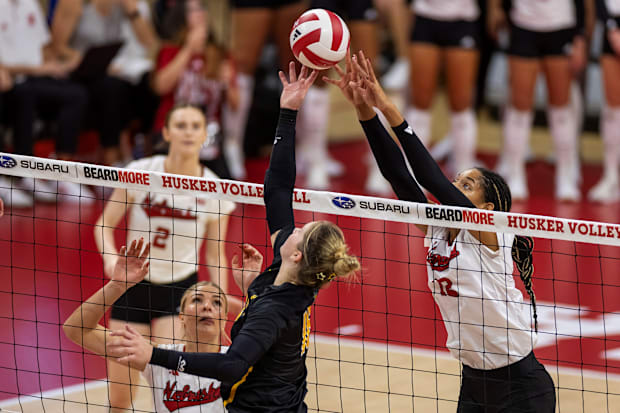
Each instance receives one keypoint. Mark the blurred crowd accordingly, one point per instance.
(116, 67)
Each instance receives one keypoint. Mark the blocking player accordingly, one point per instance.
(469, 272)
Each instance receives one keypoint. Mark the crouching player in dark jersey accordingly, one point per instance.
(264, 369)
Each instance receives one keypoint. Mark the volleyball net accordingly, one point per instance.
(377, 343)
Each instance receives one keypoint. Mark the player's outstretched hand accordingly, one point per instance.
(295, 88)
(1, 207)
(132, 265)
(252, 262)
(344, 82)
(129, 347)
(367, 87)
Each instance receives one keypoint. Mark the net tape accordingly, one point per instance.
(316, 201)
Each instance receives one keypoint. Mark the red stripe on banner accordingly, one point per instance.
(302, 44)
(337, 31)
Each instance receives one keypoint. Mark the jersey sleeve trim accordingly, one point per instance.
(233, 390)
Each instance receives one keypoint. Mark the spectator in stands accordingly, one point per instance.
(39, 87)
(193, 69)
(76, 27)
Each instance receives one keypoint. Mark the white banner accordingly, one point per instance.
(317, 201)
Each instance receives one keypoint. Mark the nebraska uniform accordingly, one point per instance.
(447, 10)
(488, 324)
(543, 15)
(175, 225)
(177, 391)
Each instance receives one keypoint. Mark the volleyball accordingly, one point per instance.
(319, 39)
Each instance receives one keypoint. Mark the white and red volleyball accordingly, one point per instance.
(319, 39)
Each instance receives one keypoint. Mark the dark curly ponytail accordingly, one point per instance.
(496, 190)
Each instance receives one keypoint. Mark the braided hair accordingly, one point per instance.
(496, 190)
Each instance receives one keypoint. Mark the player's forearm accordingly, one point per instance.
(426, 170)
(281, 174)
(230, 367)
(145, 33)
(166, 78)
(87, 316)
(391, 162)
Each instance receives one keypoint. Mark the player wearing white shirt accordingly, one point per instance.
(608, 188)
(174, 390)
(176, 227)
(202, 318)
(547, 35)
(446, 36)
(470, 273)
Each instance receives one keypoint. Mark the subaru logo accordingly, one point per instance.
(7, 162)
(343, 202)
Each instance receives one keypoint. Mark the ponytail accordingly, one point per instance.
(496, 190)
(522, 248)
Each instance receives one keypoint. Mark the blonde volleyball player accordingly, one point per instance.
(469, 272)
(264, 369)
(202, 318)
(177, 226)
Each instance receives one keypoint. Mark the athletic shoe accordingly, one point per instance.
(567, 189)
(517, 181)
(606, 191)
(43, 190)
(235, 159)
(72, 192)
(317, 177)
(397, 76)
(377, 184)
(13, 197)
(334, 168)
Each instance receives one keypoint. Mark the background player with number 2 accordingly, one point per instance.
(264, 369)
(176, 226)
(469, 272)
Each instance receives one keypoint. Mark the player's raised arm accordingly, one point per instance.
(82, 327)
(280, 176)
(424, 167)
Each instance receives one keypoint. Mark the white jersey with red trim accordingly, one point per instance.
(543, 15)
(176, 391)
(447, 10)
(174, 224)
(488, 324)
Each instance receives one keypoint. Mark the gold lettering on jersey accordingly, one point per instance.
(245, 306)
(305, 332)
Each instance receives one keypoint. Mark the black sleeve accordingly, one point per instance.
(602, 11)
(391, 162)
(426, 170)
(259, 332)
(229, 367)
(280, 176)
(580, 17)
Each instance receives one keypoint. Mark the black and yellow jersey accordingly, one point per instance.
(278, 318)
